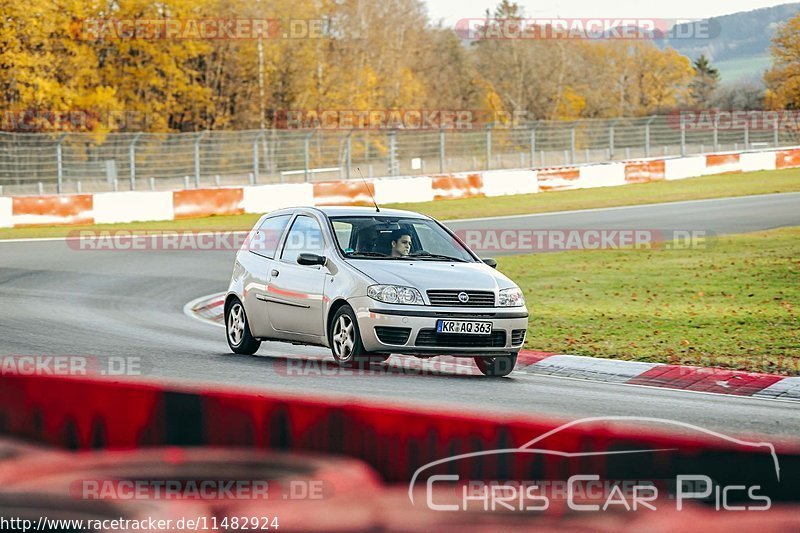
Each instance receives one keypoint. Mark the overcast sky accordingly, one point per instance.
(453, 10)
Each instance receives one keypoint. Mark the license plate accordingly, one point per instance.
(469, 327)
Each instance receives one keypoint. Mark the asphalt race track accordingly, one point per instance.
(714, 217)
(55, 300)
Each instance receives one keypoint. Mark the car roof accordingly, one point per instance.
(340, 210)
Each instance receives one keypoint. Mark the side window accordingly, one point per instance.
(304, 237)
(268, 236)
(344, 232)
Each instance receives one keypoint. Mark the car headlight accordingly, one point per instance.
(395, 294)
(511, 297)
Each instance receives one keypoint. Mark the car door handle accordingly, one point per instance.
(274, 273)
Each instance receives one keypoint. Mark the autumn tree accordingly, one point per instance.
(658, 79)
(783, 79)
(45, 72)
(355, 55)
(158, 78)
(747, 95)
(528, 74)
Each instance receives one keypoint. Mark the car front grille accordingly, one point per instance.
(429, 338)
(390, 335)
(456, 315)
(517, 337)
(450, 298)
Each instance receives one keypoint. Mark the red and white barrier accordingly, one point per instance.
(723, 163)
(192, 203)
(508, 182)
(684, 167)
(645, 171)
(142, 206)
(450, 186)
(352, 192)
(389, 191)
(113, 207)
(603, 175)
(266, 198)
(6, 210)
(52, 210)
(787, 158)
(753, 161)
(558, 179)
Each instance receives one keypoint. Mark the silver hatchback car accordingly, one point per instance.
(368, 284)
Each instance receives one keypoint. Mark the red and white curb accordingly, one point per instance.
(209, 309)
(680, 377)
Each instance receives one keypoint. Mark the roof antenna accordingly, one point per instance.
(377, 209)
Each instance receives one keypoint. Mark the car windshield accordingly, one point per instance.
(390, 237)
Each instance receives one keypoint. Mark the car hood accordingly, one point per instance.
(425, 275)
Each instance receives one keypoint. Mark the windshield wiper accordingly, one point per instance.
(365, 254)
(376, 255)
(437, 256)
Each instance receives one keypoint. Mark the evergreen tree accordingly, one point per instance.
(705, 82)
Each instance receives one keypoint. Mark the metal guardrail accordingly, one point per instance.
(83, 162)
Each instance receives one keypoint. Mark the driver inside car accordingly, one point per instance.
(401, 244)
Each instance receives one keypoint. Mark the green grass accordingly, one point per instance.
(733, 305)
(662, 191)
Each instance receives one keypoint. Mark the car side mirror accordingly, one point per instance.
(489, 261)
(310, 259)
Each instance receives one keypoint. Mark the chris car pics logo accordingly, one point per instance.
(587, 491)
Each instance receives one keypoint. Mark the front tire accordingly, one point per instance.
(240, 339)
(499, 366)
(344, 338)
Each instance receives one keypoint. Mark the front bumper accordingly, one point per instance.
(508, 326)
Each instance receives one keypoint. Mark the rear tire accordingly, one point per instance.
(344, 338)
(240, 339)
(498, 366)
